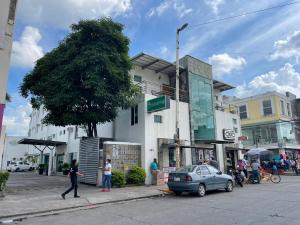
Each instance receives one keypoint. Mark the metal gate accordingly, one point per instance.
(89, 160)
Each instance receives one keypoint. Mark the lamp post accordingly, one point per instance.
(177, 96)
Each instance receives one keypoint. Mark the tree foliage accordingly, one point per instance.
(85, 80)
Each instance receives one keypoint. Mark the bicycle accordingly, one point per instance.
(274, 178)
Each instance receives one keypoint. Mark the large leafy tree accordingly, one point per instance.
(85, 80)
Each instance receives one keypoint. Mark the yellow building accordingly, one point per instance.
(266, 121)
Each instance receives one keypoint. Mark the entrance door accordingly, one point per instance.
(59, 162)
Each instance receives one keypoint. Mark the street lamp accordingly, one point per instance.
(177, 95)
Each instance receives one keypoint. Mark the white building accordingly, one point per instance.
(7, 23)
(2, 143)
(202, 120)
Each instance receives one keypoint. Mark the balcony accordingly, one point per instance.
(163, 89)
(226, 108)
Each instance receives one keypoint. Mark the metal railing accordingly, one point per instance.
(226, 108)
(163, 89)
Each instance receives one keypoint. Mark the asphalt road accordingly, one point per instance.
(264, 204)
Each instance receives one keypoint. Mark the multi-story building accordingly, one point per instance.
(267, 122)
(7, 22)
(207, 127)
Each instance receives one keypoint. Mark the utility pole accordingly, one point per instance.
(177, 139)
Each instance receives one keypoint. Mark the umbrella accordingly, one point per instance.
(258, 151)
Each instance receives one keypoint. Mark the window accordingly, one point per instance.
(267, 107)
(137, 78)
(134, 115)
(64, 131)
(204, 170)
(60, 133)
(213, 169)
(288, 109)
(157, 119)
(243, 112)
(53, 135)
(236, 130)
(282, 107)
(234, 121)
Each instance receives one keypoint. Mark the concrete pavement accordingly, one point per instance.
(264, 204)
(29, 193)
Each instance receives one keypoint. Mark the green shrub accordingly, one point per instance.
(3, 179)
(118, 178)
(66, 166)
(136, 175)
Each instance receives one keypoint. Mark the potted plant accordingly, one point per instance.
(3, 179)
(65, 168)
(41, 168)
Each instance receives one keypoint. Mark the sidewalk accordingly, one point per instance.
(46, 201)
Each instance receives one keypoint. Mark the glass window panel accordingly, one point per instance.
(267, 107)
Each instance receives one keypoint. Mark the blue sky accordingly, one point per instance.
(255, 53)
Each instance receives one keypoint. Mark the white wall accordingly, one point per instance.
(2, 143)
(224, 120)
(14, 150)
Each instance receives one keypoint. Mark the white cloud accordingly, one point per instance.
(17, 116)
(177, 5)
(214, 4)
(223, 64)
(287, 48)
(61, 14)
(283, 80)
(27, 51)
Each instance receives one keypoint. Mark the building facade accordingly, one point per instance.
(267, 122)
(7, 23)
(207, 127)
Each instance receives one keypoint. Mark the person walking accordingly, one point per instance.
(293, 163)
(255, 171)
(153, 170)
(107, 176)
(73, 175)
(298, 166)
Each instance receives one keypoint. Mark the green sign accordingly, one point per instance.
(158, 104)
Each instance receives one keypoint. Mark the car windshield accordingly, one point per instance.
(186, 169)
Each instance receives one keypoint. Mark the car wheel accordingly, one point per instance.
(201, 190)
(177, 193)
(229, 186)
(17, 170)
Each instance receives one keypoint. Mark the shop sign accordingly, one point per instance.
(158, 104)
(228, 134)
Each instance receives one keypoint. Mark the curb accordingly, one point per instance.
(23, 216)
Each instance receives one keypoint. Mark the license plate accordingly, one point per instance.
(176, 178)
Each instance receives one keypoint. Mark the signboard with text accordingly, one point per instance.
(228, 134)
(158, 104)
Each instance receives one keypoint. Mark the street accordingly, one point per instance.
(263, 204)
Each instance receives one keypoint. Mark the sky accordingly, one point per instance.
(255, 53)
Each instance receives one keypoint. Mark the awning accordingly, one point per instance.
(27, 141)
(146, 61)
(221, 86)
(37, 143)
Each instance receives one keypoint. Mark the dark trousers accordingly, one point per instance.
(74, 186)
(107, 181)
(246, 173)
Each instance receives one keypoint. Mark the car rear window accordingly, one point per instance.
(186, 169)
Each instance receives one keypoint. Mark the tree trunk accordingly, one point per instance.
(95, 129)
(90, 130)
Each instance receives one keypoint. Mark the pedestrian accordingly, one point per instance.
(107, 176)
(73, 173)
(256, 171)
(274, 167)
(294, 165)
(245, 170)
(214, 163)
(298, 166)
(153, 171)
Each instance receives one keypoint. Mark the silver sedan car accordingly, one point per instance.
(198, 180)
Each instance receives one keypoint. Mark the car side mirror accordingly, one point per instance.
(219, 172)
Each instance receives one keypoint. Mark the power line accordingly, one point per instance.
(245, 14)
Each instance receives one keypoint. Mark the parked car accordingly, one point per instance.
(19, 166)
(198, 180)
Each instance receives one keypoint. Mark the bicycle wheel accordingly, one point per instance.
(275, 178)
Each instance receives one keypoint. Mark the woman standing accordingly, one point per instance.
(73, 175)
(107, 177)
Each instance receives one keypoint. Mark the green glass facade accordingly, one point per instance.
(201, 106)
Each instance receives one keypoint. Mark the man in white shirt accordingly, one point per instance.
(107, 176)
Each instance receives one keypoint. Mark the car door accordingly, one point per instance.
(207, 178)
(218, 180)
